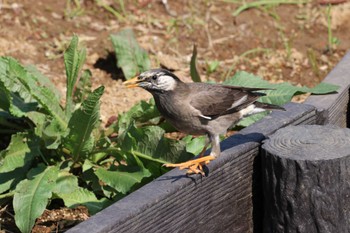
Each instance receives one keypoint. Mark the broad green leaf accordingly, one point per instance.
(148, 143)
(93, 181)
(84, 197)
(245, 79)
(194, 145)
(44, 81)
(74, 59)
(86, 118)
(141, 113)
(282, 93)
(66, 183)
(324, 88)
(15, 97)
(52, 134)
(193, 69)
(15, 161)
(32, 195)
(131, 58)
(26, 89)
(122, 181)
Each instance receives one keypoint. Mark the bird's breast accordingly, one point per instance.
(179, 115)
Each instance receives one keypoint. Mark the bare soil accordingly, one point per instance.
(278, 43)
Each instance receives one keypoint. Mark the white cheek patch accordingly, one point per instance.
(166, 83)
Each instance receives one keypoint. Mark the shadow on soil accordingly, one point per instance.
(109, 65)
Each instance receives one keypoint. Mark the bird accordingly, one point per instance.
(199, 109)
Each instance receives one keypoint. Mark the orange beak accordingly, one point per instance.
(134, 82)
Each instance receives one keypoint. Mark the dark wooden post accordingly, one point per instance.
(306, 180)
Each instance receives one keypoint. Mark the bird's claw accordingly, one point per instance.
(194, 166)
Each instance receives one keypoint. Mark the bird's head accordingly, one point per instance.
(155, 80)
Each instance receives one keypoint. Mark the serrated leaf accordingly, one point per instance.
(86, 118)
(122, 181)
(32, 195)
(23, 84)
(131, 58)
(15, 97)
(148, 143)
(83, 197)
(193, 69)
(16, 159)
(52, 134)
(83, 87)
(44, 81)
(74, 59)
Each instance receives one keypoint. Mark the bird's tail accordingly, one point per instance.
(268, 106)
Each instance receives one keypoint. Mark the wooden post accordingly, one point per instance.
(306, 180)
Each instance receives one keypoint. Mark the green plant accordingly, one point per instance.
(212, 66)
(332, 41)
(73, 8)
(193, 69)
(131, 58)
(110, 9)
(256, 4)
(61, 152)
(311, 55)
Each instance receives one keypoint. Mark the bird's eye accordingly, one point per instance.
(154, 77)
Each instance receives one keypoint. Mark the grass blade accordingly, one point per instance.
(193, 69)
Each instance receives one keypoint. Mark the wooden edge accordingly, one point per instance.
(332, 108)
(158, 198)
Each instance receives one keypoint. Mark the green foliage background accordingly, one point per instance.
(62, 152)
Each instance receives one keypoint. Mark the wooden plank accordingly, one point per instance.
(333, 108)
(221, 202)
(305, 172)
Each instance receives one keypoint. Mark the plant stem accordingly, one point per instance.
(246, 6)
(329, 28)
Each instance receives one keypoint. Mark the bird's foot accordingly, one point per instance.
(194, 166)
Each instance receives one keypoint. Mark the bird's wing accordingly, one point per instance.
(215, 100)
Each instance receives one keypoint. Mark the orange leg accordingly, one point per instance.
(194, 166)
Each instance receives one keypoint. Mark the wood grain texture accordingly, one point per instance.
(306, 183)
(221, 202)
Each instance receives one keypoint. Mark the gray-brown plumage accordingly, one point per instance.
(199, 108)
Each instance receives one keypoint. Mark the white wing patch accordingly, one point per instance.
(239, 102)
(205, 117)
(251, 109)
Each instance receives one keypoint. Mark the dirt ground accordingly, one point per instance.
(279, 43)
